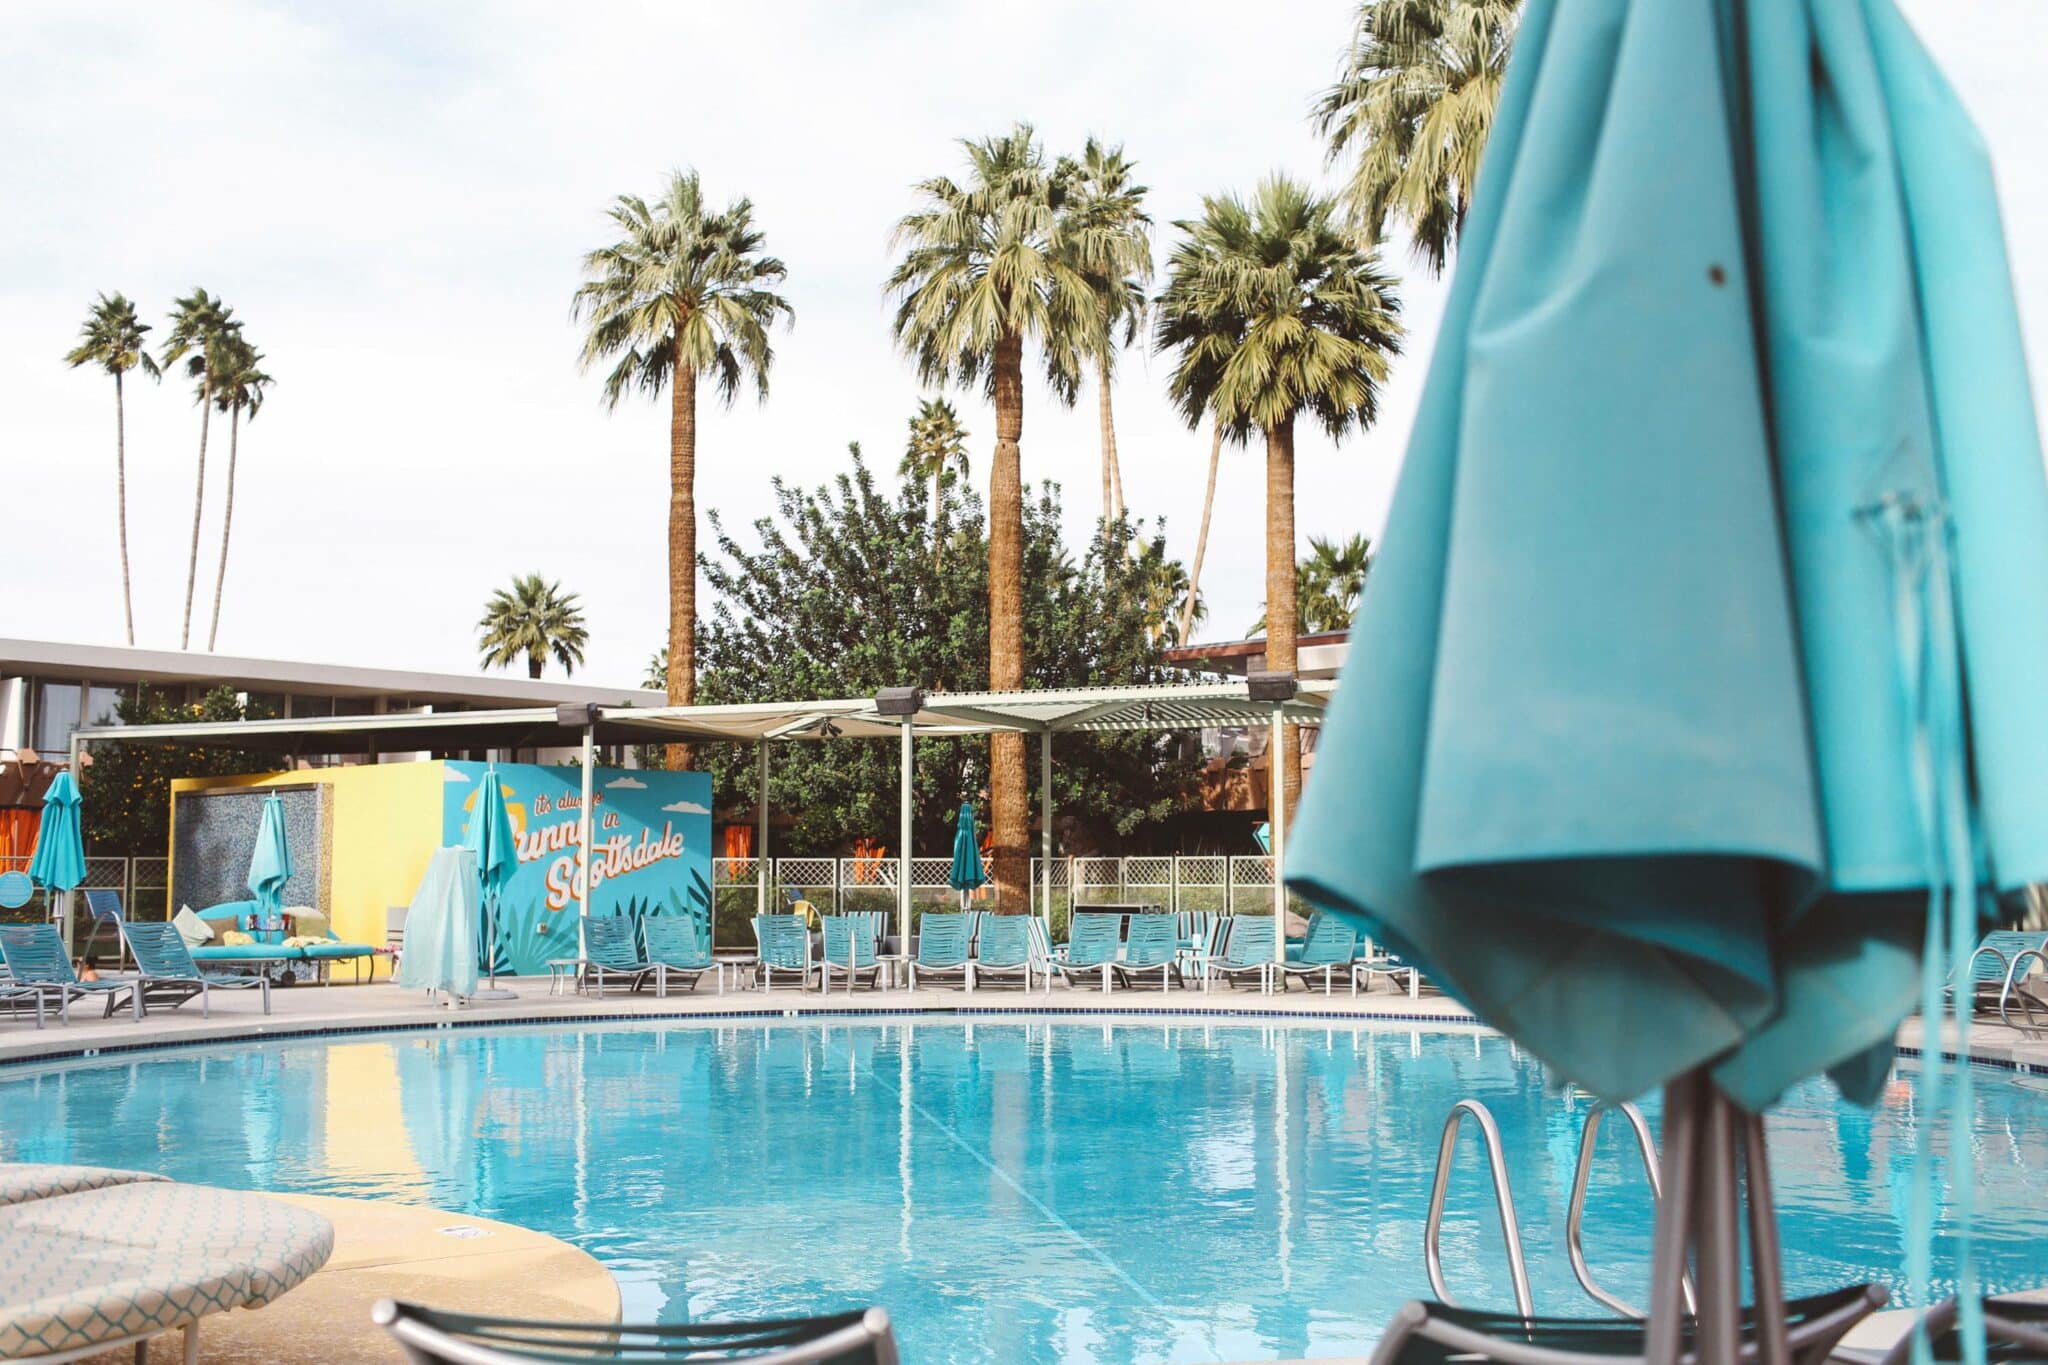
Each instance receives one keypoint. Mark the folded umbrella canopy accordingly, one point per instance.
(967, 873)
(270, 867)
(1715, 590)
(497, 856)
(58, 861)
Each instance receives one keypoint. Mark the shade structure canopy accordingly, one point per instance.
(58, 861)
(270, 866)
(1714, 595)
(967, 873)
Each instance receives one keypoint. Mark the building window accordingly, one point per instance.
(56, 711)
(263, 705)
(305, 705)
(352, 706)
(103, 705)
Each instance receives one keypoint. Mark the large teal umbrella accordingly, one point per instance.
(967, 873)
(270, 868)
(58, 861)
(1714, 597)
(497, 855)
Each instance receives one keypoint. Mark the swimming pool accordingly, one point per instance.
(1011, 1190)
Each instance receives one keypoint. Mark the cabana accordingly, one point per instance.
(902, 714)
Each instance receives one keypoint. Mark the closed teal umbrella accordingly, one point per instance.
(497, 855)
(967, 873)
(1715, 591)
(58, 860)
(269, 869)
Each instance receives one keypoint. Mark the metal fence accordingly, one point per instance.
(144, 884)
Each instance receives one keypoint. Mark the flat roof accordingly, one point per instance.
(1318, 655)
(120, 665)
(1166, 706)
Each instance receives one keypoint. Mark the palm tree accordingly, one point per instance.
(984, 272)
(1415, 99)
(684, 293)
(1330, 580)
(200, 326)
(1275, 311)
(1188, 612)
(112, 340)
(535, 619)
(1109, 237)
(936, 450)
(239, 385)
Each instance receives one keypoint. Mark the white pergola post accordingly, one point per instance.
(583, 833)
(1045, 825)
(68, 900)
(1278, 773)
(761, 836)
(903, 853)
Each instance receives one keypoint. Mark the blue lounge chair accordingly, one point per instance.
(611, 949)
(1248, 951)
(785, 946)
(167, 975)
(1092, 943)
(34, 956)
(1330, 945)
(673, 946)
(1005, 952)
(13, 996)
(942, 946)
(849, 951)
(1151, 944)
(1989, 967)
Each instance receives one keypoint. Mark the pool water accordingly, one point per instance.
(1010, 1191)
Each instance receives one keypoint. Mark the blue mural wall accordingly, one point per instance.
(650, 850)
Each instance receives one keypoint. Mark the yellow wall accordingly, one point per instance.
(386, 823)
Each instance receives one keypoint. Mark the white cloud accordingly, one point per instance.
(450, 773)
(686, 808)
(627, 784)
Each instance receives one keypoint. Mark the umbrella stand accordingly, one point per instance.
(492, 990)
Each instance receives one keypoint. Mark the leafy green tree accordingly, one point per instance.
(853, 587)
(111, 340)
(984, 271)
(1328, 581)
(936, 451)
(1274, 312)
(201, 327)
(532, 619)
(126, 789)
(1414, 104)
(1108, 237)
(239, 386)
(685, 293)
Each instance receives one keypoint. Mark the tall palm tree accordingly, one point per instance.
(1415, 100)
(984, 272)
(112, 340)
(1188, 612)
(239, 385)
(200, 326)
(1109, 236)
(686, 292)
(1275, 311)
(533, 618)
(936, 450)
(1330, 579)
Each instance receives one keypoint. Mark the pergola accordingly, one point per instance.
(903, 714)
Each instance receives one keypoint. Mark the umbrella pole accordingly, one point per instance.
(1766, 1263)
(1714, 1225)
(1674, 1210)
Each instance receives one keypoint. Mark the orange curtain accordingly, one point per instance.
(18, 832)
(739, 841)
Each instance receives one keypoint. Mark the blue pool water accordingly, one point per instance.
(1010, 1191)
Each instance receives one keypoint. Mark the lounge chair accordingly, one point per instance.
(1092, 943)
(2025, 989)
(674, 947)
(942, 945)
(1991, 964)
(1364, 970)
(849, 951)
(1330, 946)
(1432, 1333)
(165, 973)
(2014, 1330)
(13, 995)
(785, 946)
(431, 1337)
(1248, 951)
(1005, 952)
(34, 956)
(1151, 944)
(611, 949)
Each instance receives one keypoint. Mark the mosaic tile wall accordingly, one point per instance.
(215, 837)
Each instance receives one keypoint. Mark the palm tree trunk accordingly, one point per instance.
(1112, 467)
(1187, 611)
(198, 506)
(682, 547)
(1280, 604)
(534, 664)
(227, 521)
(1009, 808)
(121, 501)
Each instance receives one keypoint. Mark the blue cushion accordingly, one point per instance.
(267, 951)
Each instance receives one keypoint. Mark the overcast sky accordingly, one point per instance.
(394, 197)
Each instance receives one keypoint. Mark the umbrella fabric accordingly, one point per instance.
(967, 873)
(497, 857)
(270, 867)
(59, 858)
(441, 926)
(1725, 468)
